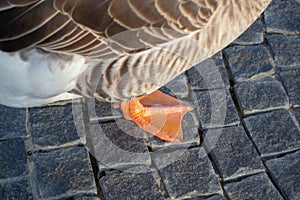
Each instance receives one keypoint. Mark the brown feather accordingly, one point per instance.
(27, 21)
(122, 13)
(21, 2)
(59, 36)
(141, 44)
(35, 37)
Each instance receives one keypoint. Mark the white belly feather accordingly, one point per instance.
(38, 78)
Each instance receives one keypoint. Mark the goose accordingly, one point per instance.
(120, 51)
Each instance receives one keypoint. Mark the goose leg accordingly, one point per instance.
(157, 113)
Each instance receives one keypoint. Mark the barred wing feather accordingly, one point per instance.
(110, 49)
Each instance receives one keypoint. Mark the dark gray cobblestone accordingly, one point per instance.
(283, 16)
(54, 126)
(12, 122)
(233, 144)
(212, 197)
(261, 95)
(86, 198)
(296, 112)
(257, 186)
(19, 189)
(178, 87)
(215, 108)
(286, 173)
(101, 110)
(291, 81)
(63, 172)
(246, 62)
(209, 74)
(183, 179)
(13, 159)
(286, 50)
(130, 186)
(253, 35)
(281, 133)
(118, 144)
(124, 136)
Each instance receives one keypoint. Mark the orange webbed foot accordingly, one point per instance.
(158, 114)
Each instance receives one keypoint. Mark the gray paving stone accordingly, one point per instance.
(291, 81)
(183, 179)
(212, 197)
(178, 87)
(101, 110)
(253, 35)
(254, 187)
(126, 134)
(286, 49)
(13, 159)
(130, 186)
(260, 95)
(209, 74)
(282, 16)
(246, 62)
(64, 172)
(273, 132)
(19, 189)
(54, 126)
(216, 108)
(118, 144)
(12, 122)
(191, 136)
(286, 173)
(86, 198)
(296, 112)
(232, 151)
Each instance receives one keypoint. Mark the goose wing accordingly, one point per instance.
(133, 47)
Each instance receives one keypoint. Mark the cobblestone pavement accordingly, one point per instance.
(242, 140)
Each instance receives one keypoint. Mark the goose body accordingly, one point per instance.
(109, 49)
